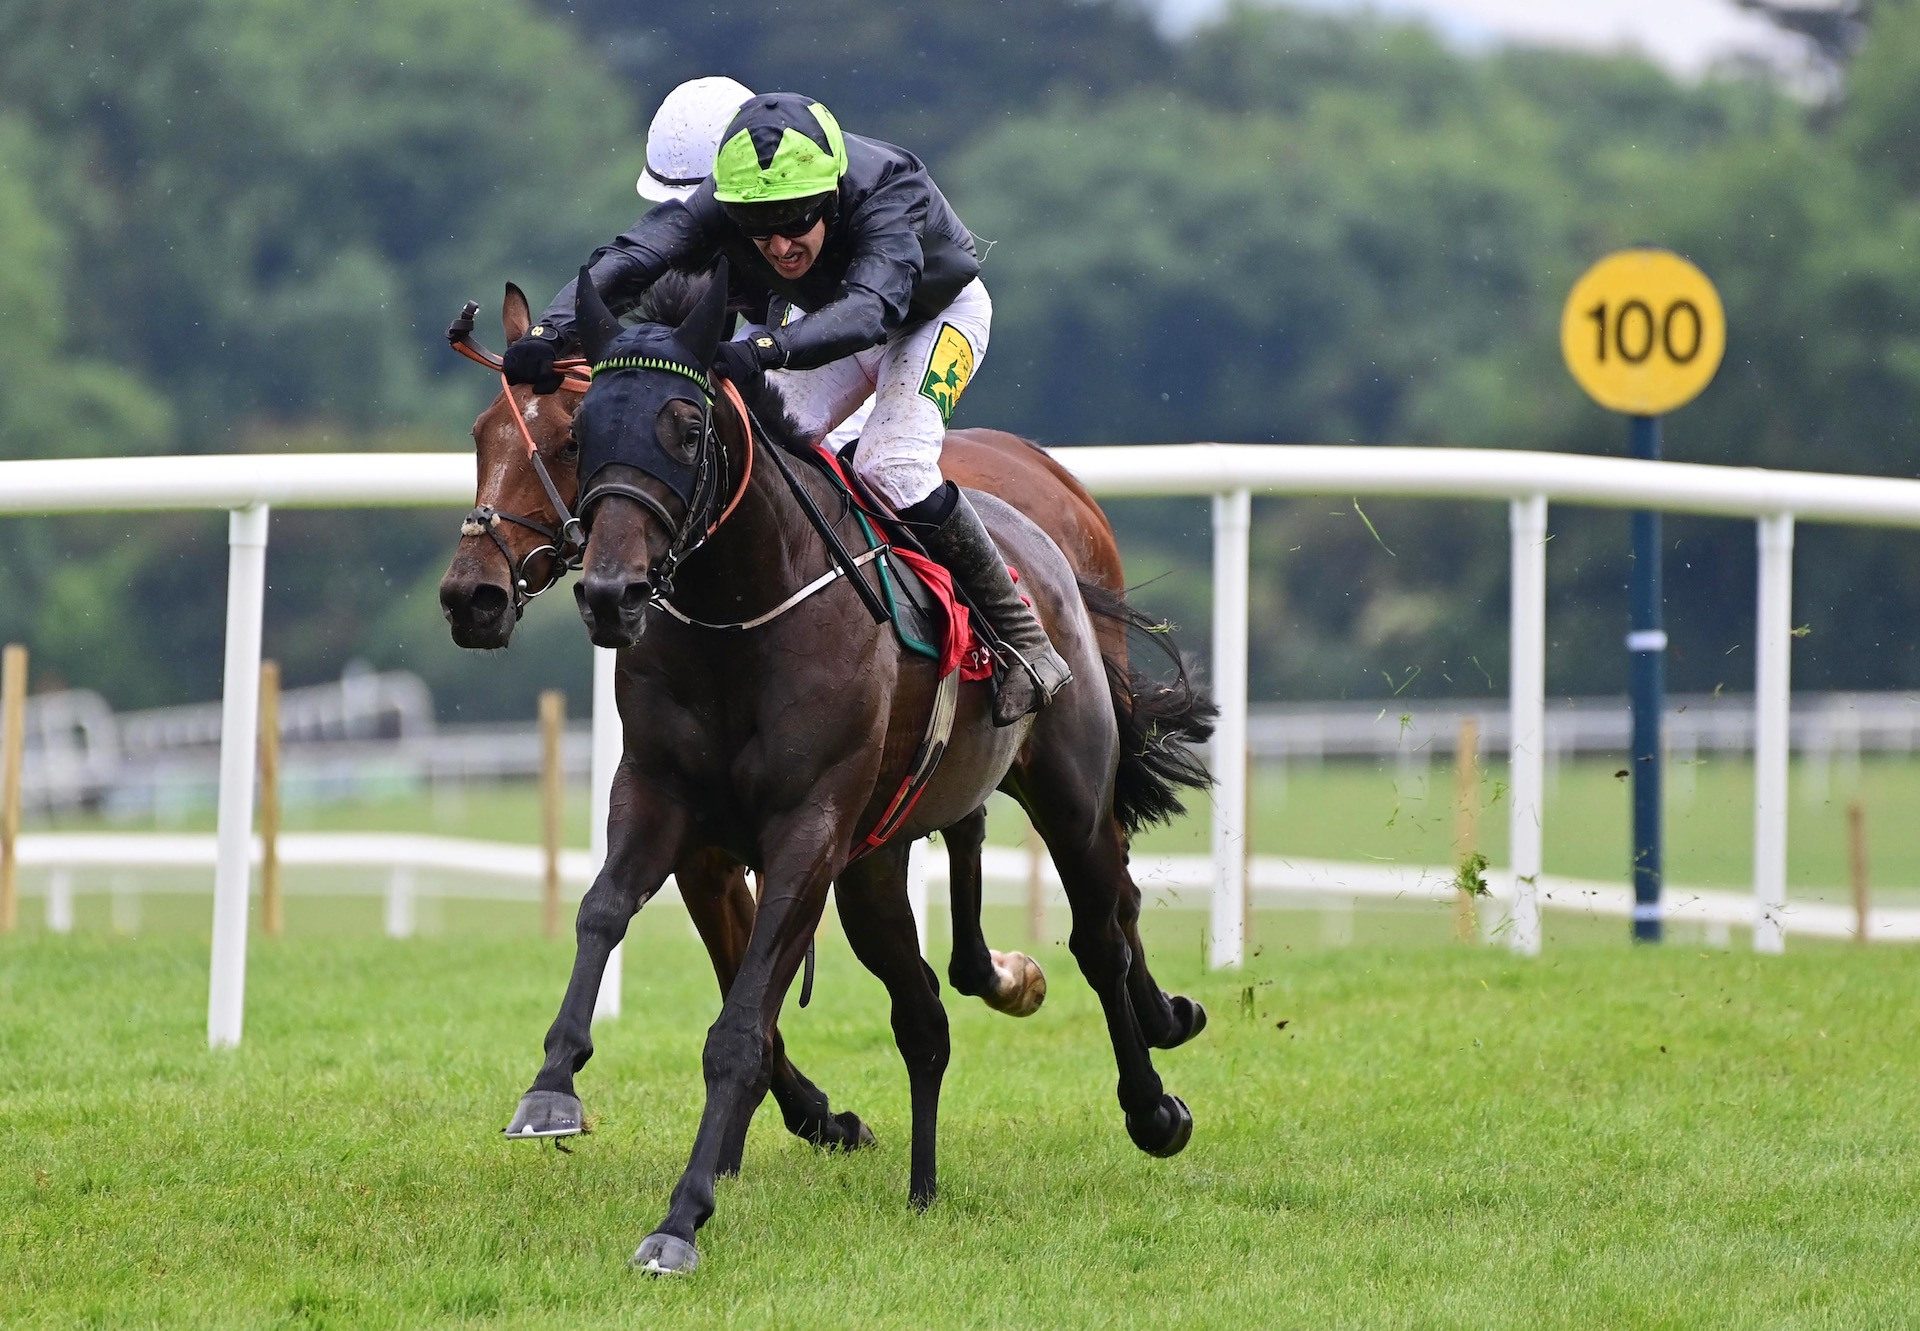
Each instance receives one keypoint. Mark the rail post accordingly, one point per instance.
(272, 913)
(1527, 703)
(917, 890)
(1772, 681)
(553, 729)
(605, 758)
(1232, 523)
(239, 723)
(1857, 864)
(60, 902)
(13, 746)
(400, 901)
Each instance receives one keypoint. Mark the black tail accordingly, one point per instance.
(1159, 720)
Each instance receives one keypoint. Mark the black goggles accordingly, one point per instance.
(789, 218)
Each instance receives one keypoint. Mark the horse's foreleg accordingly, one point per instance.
(880, 928)
(738, 1055)
(714, 886)
(643, 840)
(1010, 982)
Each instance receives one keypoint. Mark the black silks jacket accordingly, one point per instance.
(895, 253)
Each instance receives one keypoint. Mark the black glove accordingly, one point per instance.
(736, 361)
(530, 361)
(745, 360)
(767, 346)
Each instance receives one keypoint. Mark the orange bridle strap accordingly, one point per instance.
(746, 471)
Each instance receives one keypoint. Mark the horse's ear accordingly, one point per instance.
(700, 333)
(515, 314)
(592, 320)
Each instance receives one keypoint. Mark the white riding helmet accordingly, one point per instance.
(685, 135)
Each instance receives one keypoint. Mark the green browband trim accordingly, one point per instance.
(649, 363)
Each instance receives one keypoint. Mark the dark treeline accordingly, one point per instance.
(241, 224)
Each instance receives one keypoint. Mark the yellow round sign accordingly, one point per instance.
(1643, 331)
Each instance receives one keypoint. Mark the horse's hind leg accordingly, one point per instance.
(714, 886)
(1063, 794)
(1167, 1020)
(880, 929)
(1010, 982)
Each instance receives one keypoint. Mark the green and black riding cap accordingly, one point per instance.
(779, 165)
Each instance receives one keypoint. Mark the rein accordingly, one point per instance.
(566, 538)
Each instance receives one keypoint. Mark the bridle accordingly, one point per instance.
(565, 540)
(710, 470)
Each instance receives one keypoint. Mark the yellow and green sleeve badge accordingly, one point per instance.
(948, 371)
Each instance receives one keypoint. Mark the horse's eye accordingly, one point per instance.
(570, 451)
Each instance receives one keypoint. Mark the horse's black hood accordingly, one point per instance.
(636, 373)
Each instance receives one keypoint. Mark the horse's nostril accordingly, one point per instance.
(634, 599)
(488, 600)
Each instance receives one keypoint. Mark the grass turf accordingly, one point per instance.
(1437, 1136)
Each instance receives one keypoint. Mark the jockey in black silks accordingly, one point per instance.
(855, 232)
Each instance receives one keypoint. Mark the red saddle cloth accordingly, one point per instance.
(962, 648)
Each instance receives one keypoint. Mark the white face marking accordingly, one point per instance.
(532, 412)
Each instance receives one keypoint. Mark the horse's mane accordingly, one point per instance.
(669, 301)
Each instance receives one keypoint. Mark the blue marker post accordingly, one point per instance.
(1647, 685)
(1642, 332)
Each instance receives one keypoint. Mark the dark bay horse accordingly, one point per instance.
(481, 600)
(782, 745)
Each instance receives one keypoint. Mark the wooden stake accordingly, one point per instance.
(1036, 887)
(1857, 859)
(272, 913)
(1466, 820)
(13, 747)
(553, 726)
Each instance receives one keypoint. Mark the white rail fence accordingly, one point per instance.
(409, 868)
(249, 486)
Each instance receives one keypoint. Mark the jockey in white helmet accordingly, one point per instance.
(685, 134)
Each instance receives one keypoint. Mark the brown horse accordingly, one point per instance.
(507, 557)
(780, 746)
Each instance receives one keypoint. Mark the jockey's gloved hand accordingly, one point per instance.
(767, 347)
(531, 360)
(745, 361)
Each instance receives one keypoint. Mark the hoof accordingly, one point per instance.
(1189, 1019)
(664, 1255)
(1166, 1131)
(1019, 985)
(547, 1114)
(852, 1134)
(840, 1132)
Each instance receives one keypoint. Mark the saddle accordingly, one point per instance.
(928, 615)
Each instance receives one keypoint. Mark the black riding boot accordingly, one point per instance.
(1035, 673)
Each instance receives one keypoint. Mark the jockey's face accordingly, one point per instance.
(791, 256)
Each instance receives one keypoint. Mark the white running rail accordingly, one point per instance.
(248, 486)
(455, 868)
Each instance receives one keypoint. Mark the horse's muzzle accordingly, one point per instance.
(479, 611)
(614, 608)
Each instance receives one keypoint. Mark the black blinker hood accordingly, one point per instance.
(636, 372)
(617, 421)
